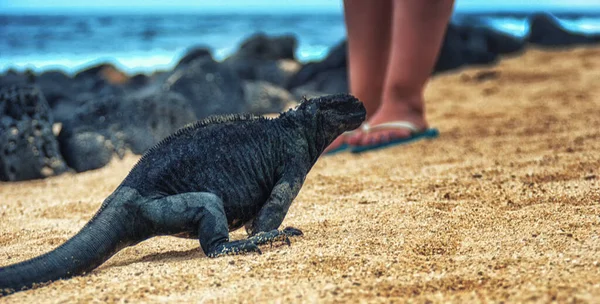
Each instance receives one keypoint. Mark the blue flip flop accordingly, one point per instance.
(416, 134)
(343, 147)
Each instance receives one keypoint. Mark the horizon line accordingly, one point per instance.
(482, 9)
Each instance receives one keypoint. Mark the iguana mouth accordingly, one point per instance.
(362, 115)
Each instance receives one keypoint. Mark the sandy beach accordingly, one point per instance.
(503, 207)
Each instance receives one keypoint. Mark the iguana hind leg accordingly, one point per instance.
(201, 212)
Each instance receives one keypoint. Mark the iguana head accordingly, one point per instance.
(332, 115)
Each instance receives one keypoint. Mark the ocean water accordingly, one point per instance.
(144, 43)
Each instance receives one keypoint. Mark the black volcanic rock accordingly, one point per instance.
(261, 46)
(113, 124)
(28, 147)
(138, 81)
(277, 72)
(263, 97)
(329, 81)
(502, 44)
(469, 45)
(209, 86)
(194, 54)
(265, 58)
(67, 93)
(336, 59)
(14, 78)
(462, 45)
(56, 86)
(546, 31)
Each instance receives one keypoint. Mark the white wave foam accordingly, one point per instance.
(131, 63)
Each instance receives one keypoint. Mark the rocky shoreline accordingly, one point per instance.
(53, 123)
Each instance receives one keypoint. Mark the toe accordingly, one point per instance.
(286, 240)
(257, 250)
(355, 139)
(376, 138)
(399, 134)
(291, 231)
(252, 247)
(367, 140)
(385, 137)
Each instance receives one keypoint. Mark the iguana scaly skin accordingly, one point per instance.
(205, 180)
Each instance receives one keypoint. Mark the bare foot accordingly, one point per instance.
(388, 112)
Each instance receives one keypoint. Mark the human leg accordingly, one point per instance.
(417, 34)
(368, 26)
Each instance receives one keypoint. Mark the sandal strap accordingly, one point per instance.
(349, 133)
(392, 125)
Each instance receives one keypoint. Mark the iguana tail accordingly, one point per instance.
(108, 232)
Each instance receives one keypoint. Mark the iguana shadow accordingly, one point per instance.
(169, 256)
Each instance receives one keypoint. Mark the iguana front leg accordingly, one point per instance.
(263, 228)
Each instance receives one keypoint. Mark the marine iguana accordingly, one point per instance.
(205, 180)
